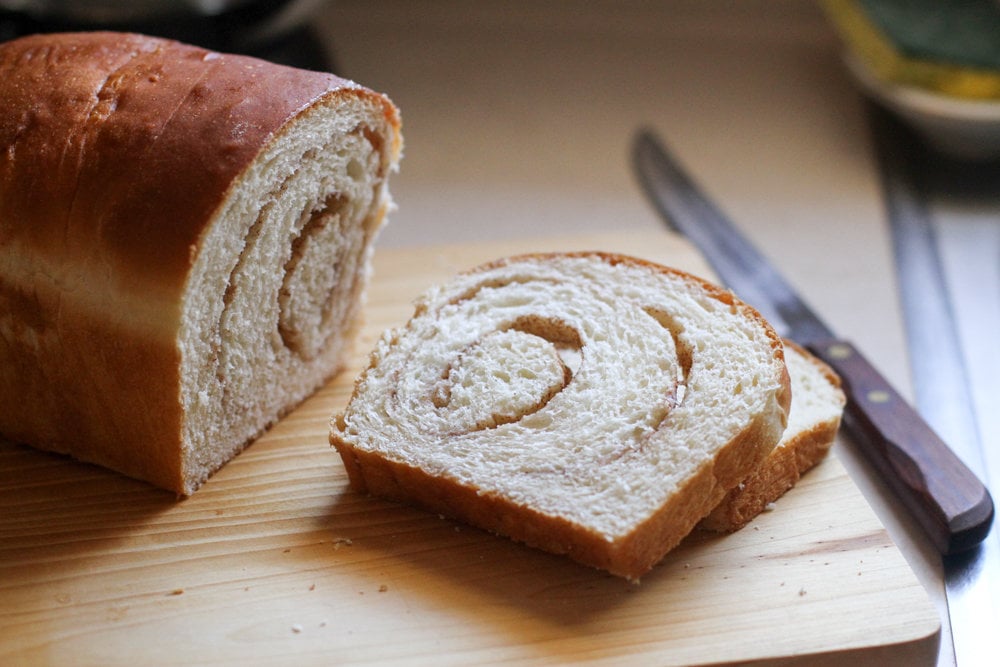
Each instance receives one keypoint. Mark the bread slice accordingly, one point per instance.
(587, 404)
(184, 242)
(813, 421)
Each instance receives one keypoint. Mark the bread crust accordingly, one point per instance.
(127, 144)
(630, 555)
(116, 151)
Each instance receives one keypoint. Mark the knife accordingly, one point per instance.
(948, 501)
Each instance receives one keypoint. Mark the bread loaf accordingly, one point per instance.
(184, 241)
(588, 404)
(813, 421)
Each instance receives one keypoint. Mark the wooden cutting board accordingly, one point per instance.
(276, 561)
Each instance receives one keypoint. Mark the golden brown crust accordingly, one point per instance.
(629, 556)
(117, 150)
(127, 144)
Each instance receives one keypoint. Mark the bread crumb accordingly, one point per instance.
(177, 591)
(802, 592)
(312, 587)
(342, 542)
(296, 628)
(383, 588)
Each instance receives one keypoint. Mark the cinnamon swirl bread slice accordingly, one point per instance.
(184, 241)
(588, 404)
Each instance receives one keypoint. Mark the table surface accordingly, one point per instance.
(518, 121)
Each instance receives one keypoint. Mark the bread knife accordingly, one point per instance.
(946, 499)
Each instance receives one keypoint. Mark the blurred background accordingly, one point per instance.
(272, 29)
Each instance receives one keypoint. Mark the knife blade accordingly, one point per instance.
(946, 499)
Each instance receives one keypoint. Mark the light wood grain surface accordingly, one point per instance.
(276, 561)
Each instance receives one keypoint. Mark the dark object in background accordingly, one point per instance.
(275, 30)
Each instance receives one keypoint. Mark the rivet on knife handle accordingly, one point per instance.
(950, 503)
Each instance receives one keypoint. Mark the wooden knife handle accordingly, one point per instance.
(947, 499)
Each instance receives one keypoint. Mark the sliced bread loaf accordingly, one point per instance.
(184, 241)
(588, 404)
(817, 406)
